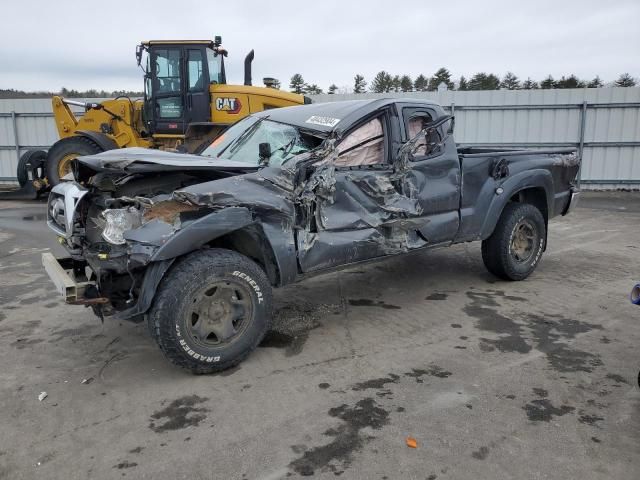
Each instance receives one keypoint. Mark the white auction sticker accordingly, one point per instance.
(324, 121)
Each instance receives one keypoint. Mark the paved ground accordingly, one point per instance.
(535, 379)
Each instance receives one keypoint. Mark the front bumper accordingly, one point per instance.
(573, 200)
(70, 279)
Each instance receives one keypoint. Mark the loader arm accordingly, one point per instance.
(66, 121)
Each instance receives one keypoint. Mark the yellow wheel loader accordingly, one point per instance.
(187, 104)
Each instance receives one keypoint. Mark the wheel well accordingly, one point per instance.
(251, 242)
(534, 196)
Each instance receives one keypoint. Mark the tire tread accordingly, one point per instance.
(495, 249)
(160, 324)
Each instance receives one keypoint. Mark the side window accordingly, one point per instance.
(427, 145)
(195, 74)
(363, 146)
(215, 67)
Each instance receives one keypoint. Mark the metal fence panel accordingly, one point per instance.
(548, 118)
(35, 127)
(522, 118)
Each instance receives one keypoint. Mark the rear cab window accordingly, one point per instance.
(415, 119)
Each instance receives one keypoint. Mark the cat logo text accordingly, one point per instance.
(229, 105)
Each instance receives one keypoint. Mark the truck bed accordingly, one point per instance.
(468, 151)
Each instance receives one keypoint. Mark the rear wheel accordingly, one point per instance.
(513, 250)
(31, 166)
(212, 309)
(64, 152)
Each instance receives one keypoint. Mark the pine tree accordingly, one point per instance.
(569, 82)
(548, 83)
(625, 80)
(463, 84)
(529, 84)
(395, 83)
(442, 75)
(406, 84)
(596, 83)
(421, 83)
(297, 84)
(493, 82)
(313, 89)
(359, 85)
(382, 82)
(332, 89)
(510, 82)
(483, 81)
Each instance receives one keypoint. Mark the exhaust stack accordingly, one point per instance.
(247, 67)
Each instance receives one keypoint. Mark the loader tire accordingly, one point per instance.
(31, 162)
(63, 152)
(515, 247)
(211, 310)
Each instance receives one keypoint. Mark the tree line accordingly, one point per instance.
(92, 93)
(385, 82)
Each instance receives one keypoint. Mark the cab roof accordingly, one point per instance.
(178, 42)
(337, 116)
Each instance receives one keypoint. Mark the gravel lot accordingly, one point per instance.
(527, 380)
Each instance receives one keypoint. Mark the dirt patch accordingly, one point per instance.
(542, 410)
(376, 383)
(617, 378)
(510, 333)
(292, 344)
(347, 439)
(432, 371)
(180, 413)
(548, 333)
(365, 302)
(292, 324)
(481, 454)
(437, 296)
(590, 419)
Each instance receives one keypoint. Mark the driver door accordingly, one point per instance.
(357, 210)
(167, 97)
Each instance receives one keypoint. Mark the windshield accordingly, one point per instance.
(241, 142)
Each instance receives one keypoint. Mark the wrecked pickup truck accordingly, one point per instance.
(193, 244)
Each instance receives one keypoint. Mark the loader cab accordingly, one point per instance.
(176, 82)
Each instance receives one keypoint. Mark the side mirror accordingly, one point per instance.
(139, 54)
(264, 152)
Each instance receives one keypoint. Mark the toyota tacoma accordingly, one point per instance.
(194, 244)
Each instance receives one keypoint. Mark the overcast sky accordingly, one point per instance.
(45, 45)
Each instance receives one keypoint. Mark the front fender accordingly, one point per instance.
(538, 178)
(173, 243)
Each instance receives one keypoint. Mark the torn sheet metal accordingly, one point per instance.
(566, 160)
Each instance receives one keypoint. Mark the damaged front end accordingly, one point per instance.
(123, 229)
(111, 265)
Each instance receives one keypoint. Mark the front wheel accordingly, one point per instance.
(513, 250)
(211, 310)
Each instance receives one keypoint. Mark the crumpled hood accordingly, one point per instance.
(138, 159)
